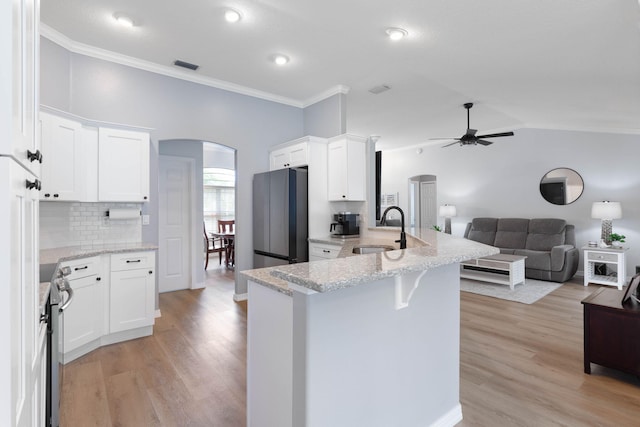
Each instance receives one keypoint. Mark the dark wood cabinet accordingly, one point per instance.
(611, 331)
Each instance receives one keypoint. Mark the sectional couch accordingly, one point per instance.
(548, 243)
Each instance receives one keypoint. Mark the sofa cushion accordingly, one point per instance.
(483, 230)
(511, 233)
(545, 233)
(538, 260)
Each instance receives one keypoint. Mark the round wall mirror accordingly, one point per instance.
(561, 186)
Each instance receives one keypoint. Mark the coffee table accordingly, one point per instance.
(501, 268)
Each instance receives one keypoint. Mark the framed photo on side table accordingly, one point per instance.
(631, 293)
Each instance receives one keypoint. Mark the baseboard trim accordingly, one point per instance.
(240, 297)
(450, 419)
(199, 285)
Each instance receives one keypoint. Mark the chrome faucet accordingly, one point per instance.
(403, 235)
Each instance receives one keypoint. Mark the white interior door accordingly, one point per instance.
(428, 205)
(175, 211)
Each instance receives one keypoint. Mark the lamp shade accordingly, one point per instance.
(447, 211)
(606, 210)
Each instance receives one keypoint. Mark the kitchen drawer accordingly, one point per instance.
(324, 250)
(133, 261)
(602, 256)
(82, 267)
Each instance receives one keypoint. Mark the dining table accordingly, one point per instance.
(228, 239)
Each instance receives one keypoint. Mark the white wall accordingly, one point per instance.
(502, 180)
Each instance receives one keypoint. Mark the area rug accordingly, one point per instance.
(527, 293)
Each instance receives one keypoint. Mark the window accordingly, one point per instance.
(219, 194)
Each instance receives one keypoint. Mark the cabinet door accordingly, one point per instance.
(123, 174)
(298, 155)
(289, 157)
(61, 169)
(19, 273)
(131, 299)
(346, 169)
(278, 159)
(83, 317)
(337, 164)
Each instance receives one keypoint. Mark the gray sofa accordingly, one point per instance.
(548, 243)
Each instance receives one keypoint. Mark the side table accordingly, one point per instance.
(611, 332)
(610, 256)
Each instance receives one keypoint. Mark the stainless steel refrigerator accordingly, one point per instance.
(280, 226)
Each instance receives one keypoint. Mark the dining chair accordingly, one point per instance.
(212, 245)
(228, 226)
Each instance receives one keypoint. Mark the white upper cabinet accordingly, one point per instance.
(346, 160)
(123, 172)
(62, 169)
(85, 162)
(289, 157)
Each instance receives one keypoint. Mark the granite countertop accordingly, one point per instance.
(45, 288)
(55, 255)
(434, 250)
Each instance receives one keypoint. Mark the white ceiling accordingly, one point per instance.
(567, 64)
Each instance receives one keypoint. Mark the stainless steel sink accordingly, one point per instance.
(371, 249)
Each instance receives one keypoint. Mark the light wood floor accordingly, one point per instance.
(521, 365)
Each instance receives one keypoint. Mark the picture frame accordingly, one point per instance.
(631, 293)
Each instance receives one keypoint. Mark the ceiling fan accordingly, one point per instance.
(470, 137)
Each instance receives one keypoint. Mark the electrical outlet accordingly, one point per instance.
(145, 219)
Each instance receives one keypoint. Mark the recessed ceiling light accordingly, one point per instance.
(232, 15)
(280, 59)
(124, 20)
(396, 33)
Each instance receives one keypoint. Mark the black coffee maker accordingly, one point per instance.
(346, 224)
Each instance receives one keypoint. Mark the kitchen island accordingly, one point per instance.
(367, 340)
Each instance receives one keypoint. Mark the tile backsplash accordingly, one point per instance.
(75, 223)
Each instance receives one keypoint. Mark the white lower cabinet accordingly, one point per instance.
(320, 251)
(114, 300)
(131, 296)
(83, 318)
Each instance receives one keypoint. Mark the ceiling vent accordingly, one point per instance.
(188, 65)
(379, 89)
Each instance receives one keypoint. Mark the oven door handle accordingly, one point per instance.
(69, 291)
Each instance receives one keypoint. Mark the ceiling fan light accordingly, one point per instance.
(396, 33)
(232, 15)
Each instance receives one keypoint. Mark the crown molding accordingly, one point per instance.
(339, 89)
(106, 55)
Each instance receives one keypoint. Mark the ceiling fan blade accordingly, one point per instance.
(453, 143)
(496, 135)
(443, 139)
(483, 142)
(471, 132)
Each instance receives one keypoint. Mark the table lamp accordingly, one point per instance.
(447, 211)
(606, 211)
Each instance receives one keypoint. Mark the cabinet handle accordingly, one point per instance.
(150, 272)
(326, 251)
(81, 268)
(34, 156)
(47, 195)
(132, 261)
(344, 197)
(98, 279)
(145, 197)
(56, 195)
(34, 184)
